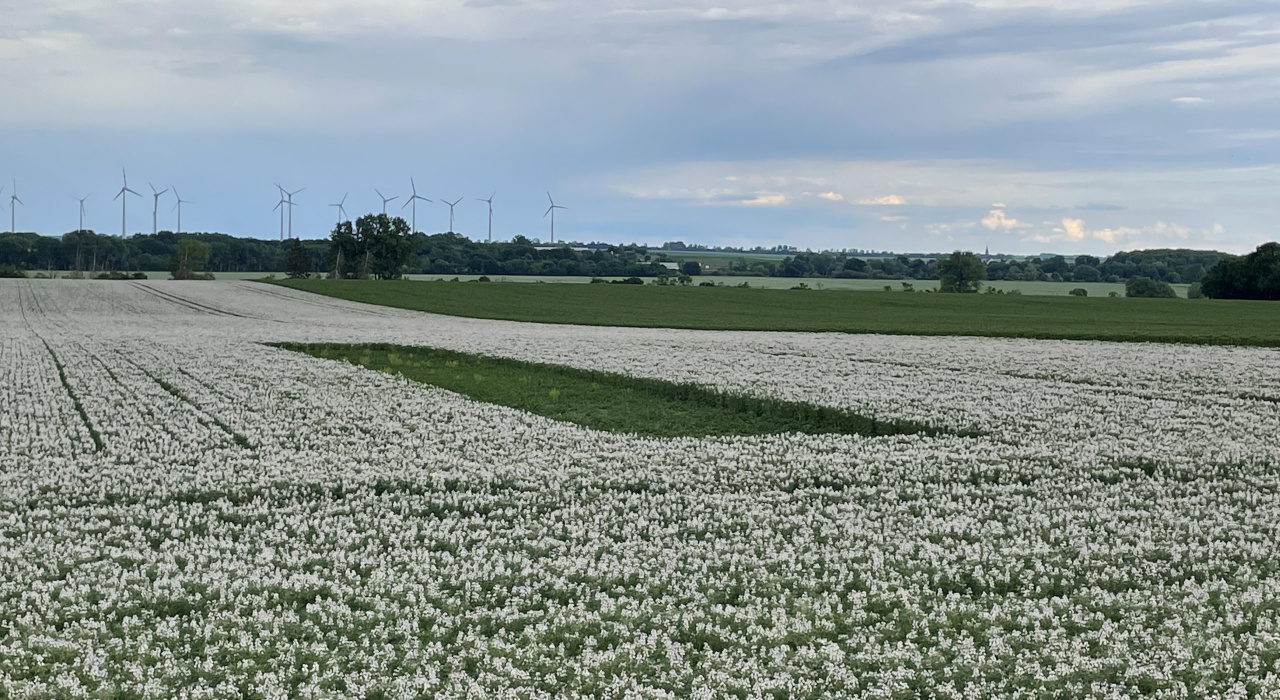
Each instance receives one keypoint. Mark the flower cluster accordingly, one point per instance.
(187, 512)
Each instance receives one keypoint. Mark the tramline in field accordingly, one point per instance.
(186, 510)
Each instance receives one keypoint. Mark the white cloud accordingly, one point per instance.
(889, 200)
(1188, 100)
(997, 219)
(1072, 229)
(832, 196)
(893, 218)
(764, 199)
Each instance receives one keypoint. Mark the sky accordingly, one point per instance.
(1023, 126)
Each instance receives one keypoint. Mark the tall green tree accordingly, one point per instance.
(298, 261)
(1255, 276)
(189, 258)
(961, 272)
(378, 245)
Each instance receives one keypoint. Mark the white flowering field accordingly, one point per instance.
(186, 512)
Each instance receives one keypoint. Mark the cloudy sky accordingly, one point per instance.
(1023, 125)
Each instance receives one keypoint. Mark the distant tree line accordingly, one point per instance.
(1174, 266)
(382, 246)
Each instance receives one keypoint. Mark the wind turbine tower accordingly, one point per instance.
(122, 196)
(280, 205)
(155, 208)
(342, 213)
(413, 199)
(489, 201)
(178, 207)
(451, 206)
(291, 206)
(385, 200)
(13, 207)
(552, 211)
(81, 201)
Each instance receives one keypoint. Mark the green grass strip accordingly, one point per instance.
(607, 401)
(94, 435)
(1199, 321)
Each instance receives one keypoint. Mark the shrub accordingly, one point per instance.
(11, 271)
(1146, 287)
(1079, 292)
(1195, 291)
(691, 268)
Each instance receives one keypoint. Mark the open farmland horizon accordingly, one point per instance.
(1193, 321)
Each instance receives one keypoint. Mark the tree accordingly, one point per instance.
(691, 268)
(1255, 276)
(380, 244)
(298, 262)
(189, 258)
(1147, 287)
(961, 272)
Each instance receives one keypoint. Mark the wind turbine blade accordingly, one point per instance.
(407, 202)
(19, 201)
(344, 199)
(118, 195)
(379, 193)
(548, 211)
(549, 198)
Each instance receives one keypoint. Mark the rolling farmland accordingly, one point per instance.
(187, 510)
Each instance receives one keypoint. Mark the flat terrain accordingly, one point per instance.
(1201, 321)
(1095, 289)
(187, 510)
(604, 400)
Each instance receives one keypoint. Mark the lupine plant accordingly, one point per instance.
(187, 511)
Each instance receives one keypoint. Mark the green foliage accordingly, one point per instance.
(1195, 291)
(189, 258)
(7, 270)
(299, 263)
(735, 308)
(691, 268)
(1255, 276)
(606, 401)
(1079, 292)
(1148, 288)
(378, 246)
(962, 272)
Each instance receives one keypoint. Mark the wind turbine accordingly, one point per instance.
(280, 205)
(291, 206)
(178, 206)
(413, 199)
(81, 201)
(123, 200)
(155, 208)
(341, 212)
(489, 201)
(385, 200)
(451, 206)
(13, 207)
(552, 211)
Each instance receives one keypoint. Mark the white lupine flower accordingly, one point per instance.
(1109, 532)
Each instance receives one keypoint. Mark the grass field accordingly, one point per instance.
(1158, 320)
(604, 400)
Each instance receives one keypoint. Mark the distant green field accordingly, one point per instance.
(727, 308)
(1095, 289)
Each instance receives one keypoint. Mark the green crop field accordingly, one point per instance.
(727, 308)
(603, 400)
